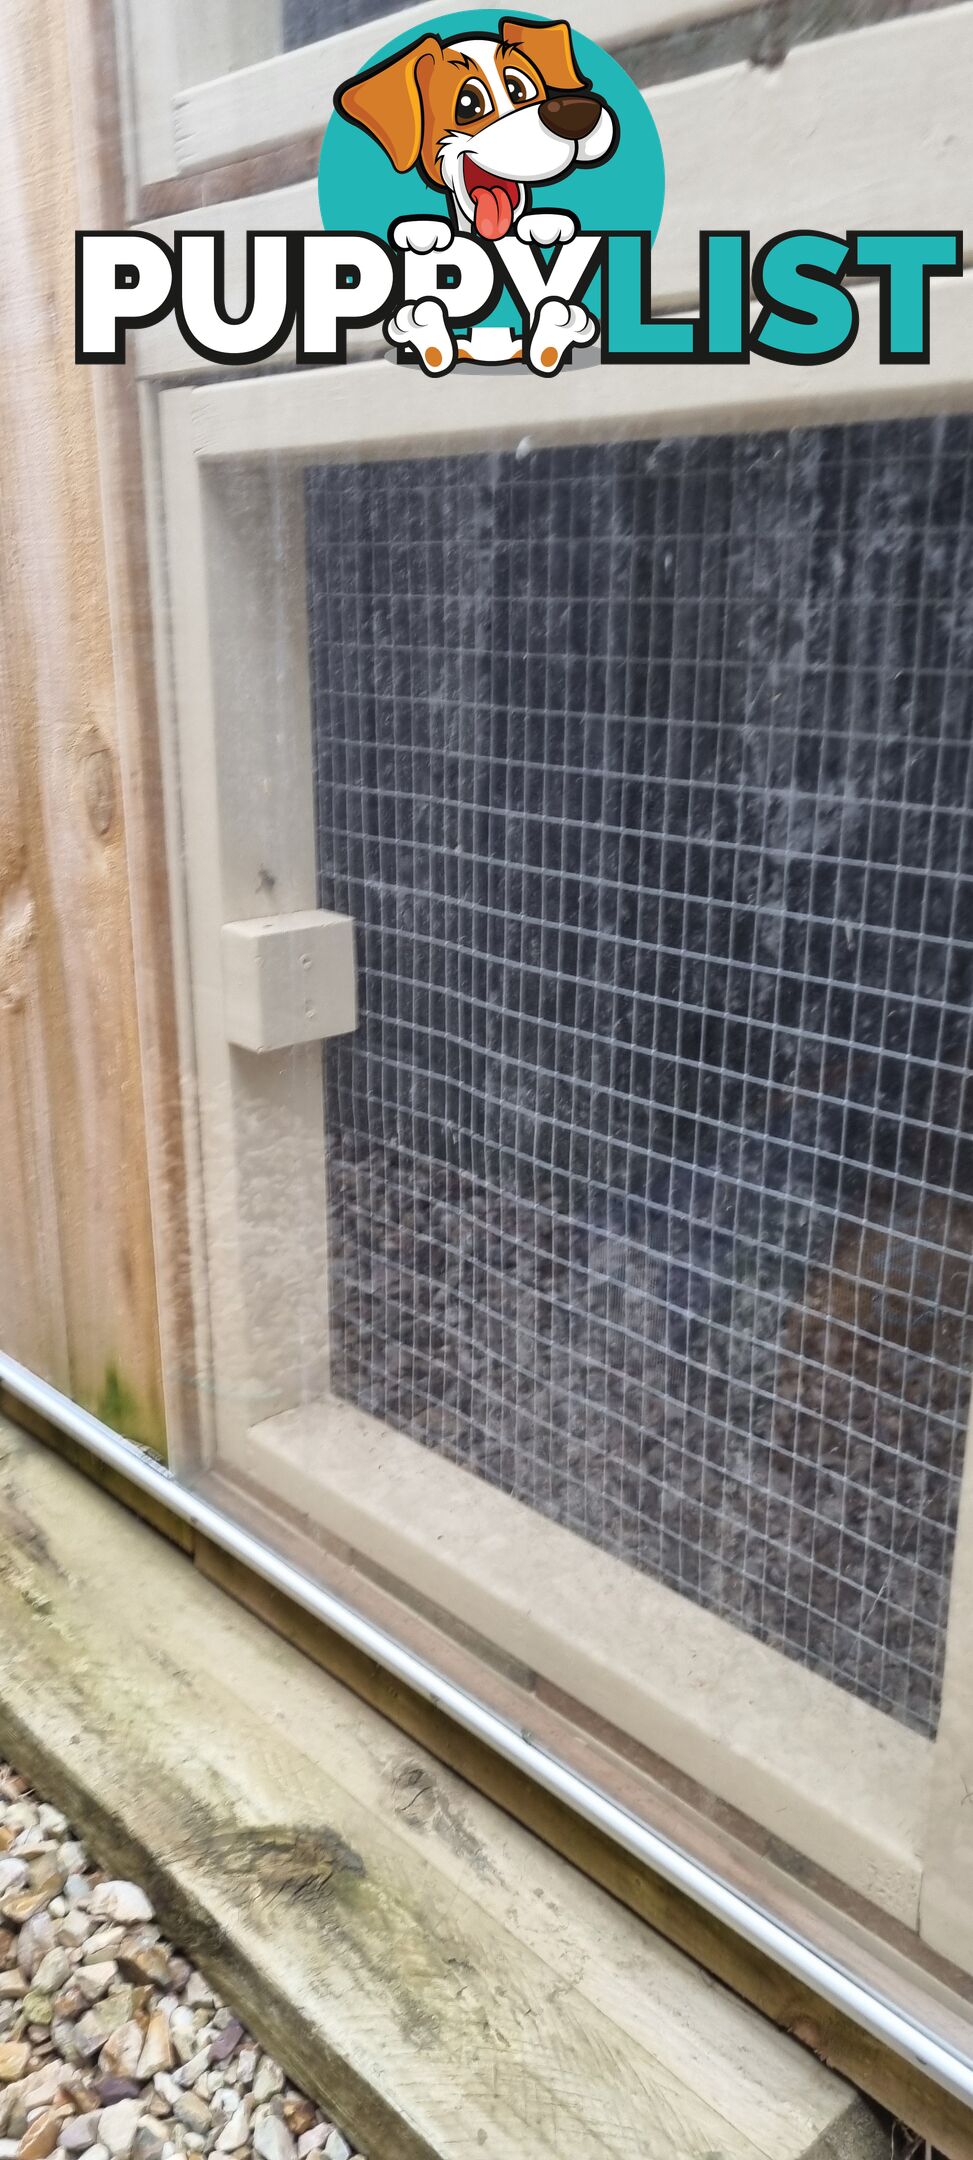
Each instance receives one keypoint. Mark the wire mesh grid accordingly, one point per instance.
(646, 774)
(306, 20)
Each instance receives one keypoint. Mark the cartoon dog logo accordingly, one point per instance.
(485, 121)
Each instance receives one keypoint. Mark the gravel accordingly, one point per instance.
(112, 2044)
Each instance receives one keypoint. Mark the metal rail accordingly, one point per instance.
(895, 2028)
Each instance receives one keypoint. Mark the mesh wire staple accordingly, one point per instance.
(645, 772)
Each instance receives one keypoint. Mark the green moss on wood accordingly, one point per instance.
(118, 1406)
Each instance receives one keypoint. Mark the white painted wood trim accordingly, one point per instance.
(946, 1910)
(182, 1447)
(149, 70)
(291, 95)
(380, 410)
(289, 979)
(239, 635)
(167, 45)
(867, 129)
(828, 1774)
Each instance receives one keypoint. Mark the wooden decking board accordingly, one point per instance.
(423, 1965)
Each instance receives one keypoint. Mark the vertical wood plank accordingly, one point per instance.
(62, 731)
(32, 1322)
(139, 618)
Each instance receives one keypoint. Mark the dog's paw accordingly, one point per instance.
(424, 325)
(546, 228)
(558, 326)
(422, 235)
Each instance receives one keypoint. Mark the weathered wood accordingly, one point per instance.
(31, 1290)
(139, 652)
(718, 1838)
(842, 1931)
(164, 48)
(837, 136)
(422, 1965)
(849, 1791)
(75, 1063)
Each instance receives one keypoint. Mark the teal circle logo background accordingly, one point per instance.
(359, 189)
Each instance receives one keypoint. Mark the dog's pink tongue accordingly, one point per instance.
(492, 212)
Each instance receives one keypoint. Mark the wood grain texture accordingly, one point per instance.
(934, 1991)
(850, 1790)
(422, 1965)
(163, 48)
(291, 93)
(31, 1289)
(138, 645)
(834, 2038)
(75, 1066)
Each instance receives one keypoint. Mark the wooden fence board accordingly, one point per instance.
(61, 726)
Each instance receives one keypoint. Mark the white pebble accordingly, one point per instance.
(74, 1928)
(337, 2147)
(182, 2032)
(72, 1857)
(122, 1901)
(190, 2071)
(21, 1815)
(235, 2133)
(117, 2126)
(272, 2140)
(104, 1940)
(52, 1820)
(94, 1980)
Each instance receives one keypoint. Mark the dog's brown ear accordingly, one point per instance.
(549, 46)
(387, 101)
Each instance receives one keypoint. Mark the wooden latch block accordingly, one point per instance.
(289, 979)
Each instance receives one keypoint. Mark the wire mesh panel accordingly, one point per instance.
(646, 774)
(306, 20)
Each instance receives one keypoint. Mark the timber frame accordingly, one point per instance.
(871, 1814)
